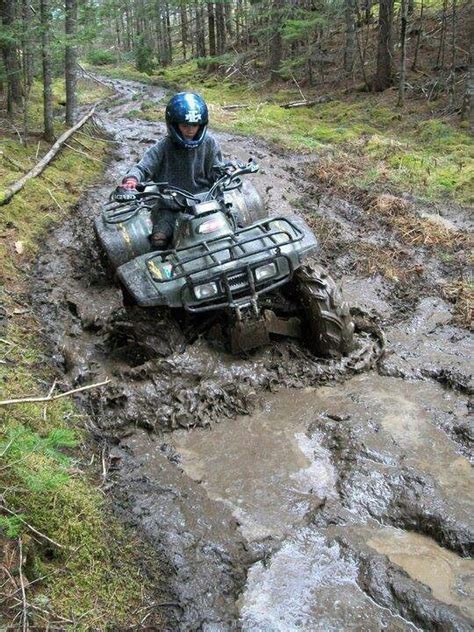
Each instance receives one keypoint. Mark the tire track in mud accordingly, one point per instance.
(183, 382)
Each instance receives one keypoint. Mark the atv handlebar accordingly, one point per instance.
(167, 192)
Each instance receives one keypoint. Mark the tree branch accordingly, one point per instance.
(51, 398)
(38, 168)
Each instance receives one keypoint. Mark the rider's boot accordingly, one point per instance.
(159, 241)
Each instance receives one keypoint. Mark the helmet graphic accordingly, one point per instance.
(187, 108)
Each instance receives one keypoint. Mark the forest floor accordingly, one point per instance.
(330, 493)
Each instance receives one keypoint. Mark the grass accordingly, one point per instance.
(461, 293)
(93, 577)
(412, 230)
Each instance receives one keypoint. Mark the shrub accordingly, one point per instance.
(101, 57)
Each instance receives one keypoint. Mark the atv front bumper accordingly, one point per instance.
(230, 271)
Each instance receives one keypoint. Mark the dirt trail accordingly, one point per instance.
(341, 501)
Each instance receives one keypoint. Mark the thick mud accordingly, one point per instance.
(332, 495)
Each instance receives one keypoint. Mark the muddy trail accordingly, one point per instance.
(280, 491)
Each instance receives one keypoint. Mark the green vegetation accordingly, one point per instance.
(400, 150)
(84, 564)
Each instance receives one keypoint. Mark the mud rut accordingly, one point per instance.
(341, 501)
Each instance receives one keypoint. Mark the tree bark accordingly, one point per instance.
(211, 25)
(71, 61)
(467, 109)
(276, 43)
(452, 72)
(220, 28)
(383, 73)
(199, 29)
(10, 56)
(184, 27)
(418, 37)
(27, 19)
(45, 17)
(349, 51)
(403, 52)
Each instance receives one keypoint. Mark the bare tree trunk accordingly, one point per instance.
(418, 37)
(27, 19)
(452, 73)
(383, 74)
(349, 51)
(220, 28)
(211, 24)
(403, 53)
(442, 40)
(71, 61)
(228, 10)
(10, 57)
(276, 43)
(467, 110)
(199, 29)
(45, 18)
(169, 43)
(184, 26)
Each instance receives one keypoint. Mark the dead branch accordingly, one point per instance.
(236, 106)
(38, 168)
(83, 153)
(93, 77)
(30, 527)
(306, 104)
(24, 615)
(51, 398)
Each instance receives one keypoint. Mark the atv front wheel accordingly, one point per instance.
(329, 330)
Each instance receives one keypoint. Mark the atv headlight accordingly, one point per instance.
(211, 225)
(207, 290)
(265, 272)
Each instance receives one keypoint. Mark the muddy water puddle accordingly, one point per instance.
(263, 466)
(274, 470)
(450, 577)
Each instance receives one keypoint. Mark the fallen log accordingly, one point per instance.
(236, 106)
(89, 75)
(305, 104)
(39, 167)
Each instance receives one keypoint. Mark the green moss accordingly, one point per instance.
(93, 578)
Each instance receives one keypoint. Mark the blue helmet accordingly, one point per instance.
(190, 108)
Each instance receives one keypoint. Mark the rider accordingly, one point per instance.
(188, 158)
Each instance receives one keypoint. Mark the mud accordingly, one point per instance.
(330, 490)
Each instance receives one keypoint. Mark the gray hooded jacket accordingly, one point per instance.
(189, 169)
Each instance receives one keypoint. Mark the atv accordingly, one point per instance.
(228, 256)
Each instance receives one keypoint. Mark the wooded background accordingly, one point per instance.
(423, 46)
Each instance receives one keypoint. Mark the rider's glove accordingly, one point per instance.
(126, 191)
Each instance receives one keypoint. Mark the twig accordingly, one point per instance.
(298, 86)
(5, 449)
(24, 615)
(50, 398)
(51, 390)
(49, 613)
(104, 467)
(30, 527)
(83, 153)
(37, 150)
(55, 200)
